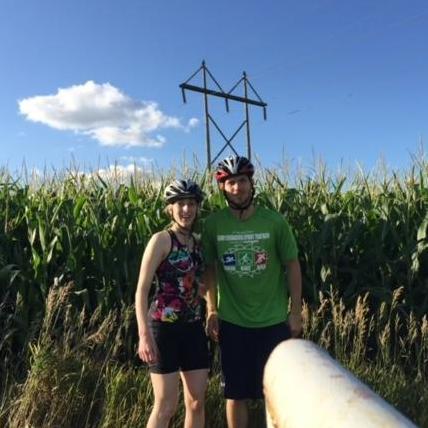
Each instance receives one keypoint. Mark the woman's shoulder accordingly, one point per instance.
(161, 239)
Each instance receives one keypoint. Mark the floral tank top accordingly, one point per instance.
(176, 297)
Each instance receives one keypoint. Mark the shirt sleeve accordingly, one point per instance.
(287, 246)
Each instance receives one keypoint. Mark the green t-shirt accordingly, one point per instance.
(250, 256)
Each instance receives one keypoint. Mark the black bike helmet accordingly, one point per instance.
(233, 165)
(183, 189)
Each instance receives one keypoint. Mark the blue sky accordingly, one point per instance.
(97, 81)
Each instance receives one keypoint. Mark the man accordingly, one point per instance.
(247, 250)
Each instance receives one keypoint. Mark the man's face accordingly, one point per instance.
(238, 189)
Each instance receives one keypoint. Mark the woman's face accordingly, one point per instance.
(184, 212)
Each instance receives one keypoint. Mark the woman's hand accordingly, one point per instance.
(147, 349)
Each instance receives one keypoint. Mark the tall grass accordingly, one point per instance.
(79, 377)
(70, 248)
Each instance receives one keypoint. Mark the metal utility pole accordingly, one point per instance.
(227, 96)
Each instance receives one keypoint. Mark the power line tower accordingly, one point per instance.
(219, 92)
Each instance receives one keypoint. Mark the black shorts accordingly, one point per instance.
(182, 346)
(244, 353)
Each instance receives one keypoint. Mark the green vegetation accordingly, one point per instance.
(70, 249)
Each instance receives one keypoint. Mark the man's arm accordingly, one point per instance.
(295, 286)
(210, 280)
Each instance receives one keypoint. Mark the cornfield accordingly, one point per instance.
(70, 249)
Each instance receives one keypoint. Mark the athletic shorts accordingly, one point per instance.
(244, 353)
(182, 346)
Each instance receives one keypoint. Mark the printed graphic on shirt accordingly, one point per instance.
(251, 237)
(244, 257)
(261, 260)
(176, 296)
(229, 261)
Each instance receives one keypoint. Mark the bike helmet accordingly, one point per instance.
(183, 189)
(233, 165)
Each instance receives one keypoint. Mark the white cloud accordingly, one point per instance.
(104, 113)
(120, 173)
(193, 123)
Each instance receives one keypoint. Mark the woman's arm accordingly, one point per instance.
(156, 250)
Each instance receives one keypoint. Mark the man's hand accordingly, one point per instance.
(295, 323)
(212, 325)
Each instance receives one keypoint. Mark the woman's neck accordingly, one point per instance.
(184, 236)
(181, 230)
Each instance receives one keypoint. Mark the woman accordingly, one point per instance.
(171, 334)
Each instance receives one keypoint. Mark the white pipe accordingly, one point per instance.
(306, 388)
